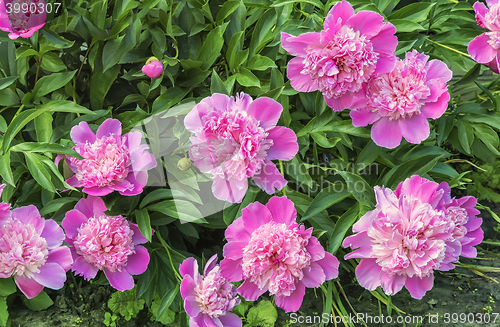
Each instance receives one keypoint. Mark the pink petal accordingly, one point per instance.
(250, 291)
(480, 50)
(469, 252)
(91, 206)
(137, 238)
(391, 284)
(436, 109)
(414, 129)
(255, 215)
(142, 160)
(234, 250)
(285, 145)
(313, 275)
(230, 320)
(28, 286)
(230, 190)
(361, 241)
(72, 221)
(363, 117)
(385, 63)
(122, 186)
(82, 133)
(315, 249)
(29, 215)
(297, 45)
(330, 265)
(137, 263)
(109, 127)
(211, 322)
(266, 110)
(237, 231)
(189, 267)
(83, 268)
(368, 274)
(231, 270)
(187, 286)
(120, 280)
(53, 234)
(340, 103)
(293, 302)
(191, 306)
(97, 191)
(386, 133)
(342, 10)
(418, 286)
(438, 69)
(491, 3)
(269, 178)
(385, 41)
(73, 181)
(139, 179)
(477, 236)
(282, 210)
(368, 23)
(51, 275)
(300, 82)
(132, 139)
(210, 264)
(61, 256)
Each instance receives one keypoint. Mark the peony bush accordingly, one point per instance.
(305, 144)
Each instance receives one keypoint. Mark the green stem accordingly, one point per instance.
(449, 48)
(282, 174)
(166, 247)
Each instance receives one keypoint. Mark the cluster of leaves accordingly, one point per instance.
(85, 65)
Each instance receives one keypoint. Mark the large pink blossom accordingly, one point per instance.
(398, 103)
(485, 48)
(208, 298)
(408, 236)
(339, 60)
(31, 251)
(271, 252)
(111, 161)
(236, 139)
(101, 242)
(22, 18)
(4, 208)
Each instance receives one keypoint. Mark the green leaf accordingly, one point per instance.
(232, 49)
(323, 141)
(17, 124)
(43, 127)
(144, 223)
(325, 199)
(45, 147)
(247, 78)
(167, 300)
(50, 83)
(359, 188)
(465, 135)
(64, 106)
(414, 166)
(100, 83)
(4, 82)
(179, 209)
(8, 98)
(40, 302)
(4, 313)
(470, 76)
(342, 226)
(38, 171)
(217, 85)
(406, 25)
(52, 62)
(212, 46)
(416, 12)
(56, 204)
(227, 9)
(263, 314)
(169, 98)
(7, 286)
(258, 62)
(158, 195)
(279, 3)
(5, 170)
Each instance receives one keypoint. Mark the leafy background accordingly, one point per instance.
(85, 65)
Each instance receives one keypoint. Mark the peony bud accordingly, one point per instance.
(184, 164)
(153, 68)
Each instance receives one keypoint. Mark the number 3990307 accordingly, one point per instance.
(31, 7)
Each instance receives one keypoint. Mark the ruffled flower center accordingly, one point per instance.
(22, 250)
(458, 217)
(106, 161)
(400, 93)
(491, 18)
(494, 40)
(105, 242)
(26, 9)
(407, 240)
(215, 294)
(343, 65)
(275, 257)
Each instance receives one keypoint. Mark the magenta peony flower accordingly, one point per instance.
(4, 208)
(208, 298)
(22, 18)
(31, 251)
(112, 162)
(271, 252)
(398, 103)
(485, 48)
(101, 242)
(236, 139)
(153, 68)
(408, 236)
(340, 60)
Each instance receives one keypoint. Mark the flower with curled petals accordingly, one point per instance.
(398, 103)
(271, 252)
(208, 298)
(485, 48)
(111, 161)
(22, 23)
(236, 139)
(101, 242)
(339, 60)
(31, 251)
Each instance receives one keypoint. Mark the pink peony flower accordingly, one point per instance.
(208, 298)
(31, 251)
(408, 236)
(111, 161)
(485, 48)
(339, 60)
(4, 208)
(236, 139)
(101, 242)
(22, 18)
(153, 68)
(271, 252)
(398, 103)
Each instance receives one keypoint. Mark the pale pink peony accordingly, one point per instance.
(4, 208)
(111, 161)
(236, 139)
(31, 251)
(25, 17)
(398, 103)
(101, 242)
(208, 298)
(339, 60)
(271, 252)
(485, 48)
(153, 68)
(408, 236)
